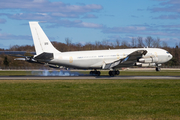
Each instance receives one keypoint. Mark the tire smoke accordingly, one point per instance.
(56, 73)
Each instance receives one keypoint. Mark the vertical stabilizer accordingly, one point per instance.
(41, 41)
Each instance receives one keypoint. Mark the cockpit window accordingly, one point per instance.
(167, 52)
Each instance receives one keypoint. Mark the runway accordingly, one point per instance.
(86, 77)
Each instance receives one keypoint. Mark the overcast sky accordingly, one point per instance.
(85, 21)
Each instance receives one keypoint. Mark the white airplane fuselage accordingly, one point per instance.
(96, 58)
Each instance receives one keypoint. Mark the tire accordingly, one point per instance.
(91, 72)
(117, 72)
(158, 69)
(111, 73)
(98, 73)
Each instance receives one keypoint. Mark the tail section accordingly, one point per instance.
(41, 41)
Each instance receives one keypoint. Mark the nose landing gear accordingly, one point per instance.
(158, 69)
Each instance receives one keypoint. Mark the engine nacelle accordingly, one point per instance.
(149, 65)
(148, 60)
(28, 59)
(53, 66)
(146, 64)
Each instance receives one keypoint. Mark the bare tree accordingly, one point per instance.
(105, 44)
(149, 41)
(117, 43)
(88, 46)
(68, 43)
(97, 44)
(133, 42)
(27, 48)
(14, 48)
(79, 46)
(140, 42)
(157, 43)
(164, 44)
(124, 44)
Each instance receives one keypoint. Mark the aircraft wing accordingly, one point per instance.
(130, 60)
(43, 57)
(22, 55)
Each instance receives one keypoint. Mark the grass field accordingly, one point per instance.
(90, 99)
(122, 73)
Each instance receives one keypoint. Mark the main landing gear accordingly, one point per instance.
(114, 72)
(97, 73)
(111, 73)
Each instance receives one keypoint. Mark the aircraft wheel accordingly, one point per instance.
(117, 72)
(111, 73)
(98, 73)
(91, 72)
(158, 69)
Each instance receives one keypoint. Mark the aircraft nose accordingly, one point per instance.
(170, 57)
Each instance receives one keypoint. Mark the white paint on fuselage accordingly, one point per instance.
(96, 58)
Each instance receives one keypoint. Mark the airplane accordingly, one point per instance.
(111, 59)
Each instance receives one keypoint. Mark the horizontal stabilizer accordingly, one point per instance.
(45, 56)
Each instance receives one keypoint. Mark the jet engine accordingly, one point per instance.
(146, 64)
(148, 60)
(27, 58)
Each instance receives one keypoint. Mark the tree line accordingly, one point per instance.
(138, 42)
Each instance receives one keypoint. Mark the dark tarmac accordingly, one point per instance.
(86, 77)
